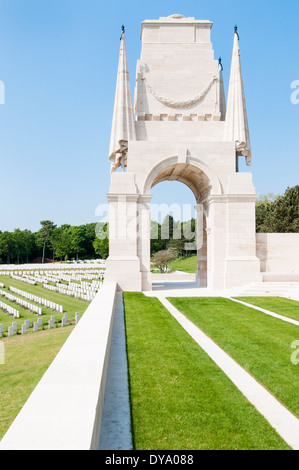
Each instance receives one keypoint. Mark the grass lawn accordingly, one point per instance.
(180, 399)
(27, 358)
(71, 305)
(187, 265)
(258, 342)
(287, 307)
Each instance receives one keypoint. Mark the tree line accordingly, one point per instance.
(274, 214)
(52, 243)
(278, 214)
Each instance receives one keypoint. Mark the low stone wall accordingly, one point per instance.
(177, 276)
(65, 409)
(278, 252)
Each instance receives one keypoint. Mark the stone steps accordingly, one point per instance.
(280, 289)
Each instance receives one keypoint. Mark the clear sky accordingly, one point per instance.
(58, 61)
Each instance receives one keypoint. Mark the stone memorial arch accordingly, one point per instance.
(181, 129)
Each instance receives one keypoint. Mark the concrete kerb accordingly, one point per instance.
(267, 312)
(64, 411)
(281, 419)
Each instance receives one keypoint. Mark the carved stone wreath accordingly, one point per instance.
(179, 103)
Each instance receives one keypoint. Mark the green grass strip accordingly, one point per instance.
(287, 307)
(180, 399)
(186, 265)
(258, 342)
(27, 358)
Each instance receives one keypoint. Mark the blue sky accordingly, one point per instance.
(58, 61)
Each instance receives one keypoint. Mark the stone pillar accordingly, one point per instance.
(144, 240)
(242, 265)
(123, 264)
(216, 242)
(202, 265)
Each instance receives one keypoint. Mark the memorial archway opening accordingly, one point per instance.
(183, 220)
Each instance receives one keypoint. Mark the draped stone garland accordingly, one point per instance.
(179, 103)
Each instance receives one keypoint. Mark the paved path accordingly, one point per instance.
(190, 289)
(284, 422)
(182, 289)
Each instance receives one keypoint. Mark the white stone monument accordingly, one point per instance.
(183, 131)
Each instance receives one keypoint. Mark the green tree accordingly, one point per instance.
(28, 243)
(263, 208)
(43, 237)
(6, 246)
(162, 259)
(279, 214)
(157, 244)
(101, 242)
(101, 247)
(78, 240)
(167, 228)
(90, 236)
(18, 243)
(61, 240)
(284, 214)
(177, 246)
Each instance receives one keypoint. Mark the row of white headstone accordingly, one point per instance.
(86, 290)
(99, 275)
(64, 289)
(22, 302)
(57, 275)
(23, 279)
(38, 300)
(58, 272)
(36, 325)
(83, 288)
(67, 278)
(94, 284)
(9, 309)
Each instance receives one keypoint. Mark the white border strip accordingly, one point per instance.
(267, 312)
(282, 420)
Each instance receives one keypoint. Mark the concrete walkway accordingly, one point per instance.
(115, 431)
(284, 422)
(182, 289)
(191, 289)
